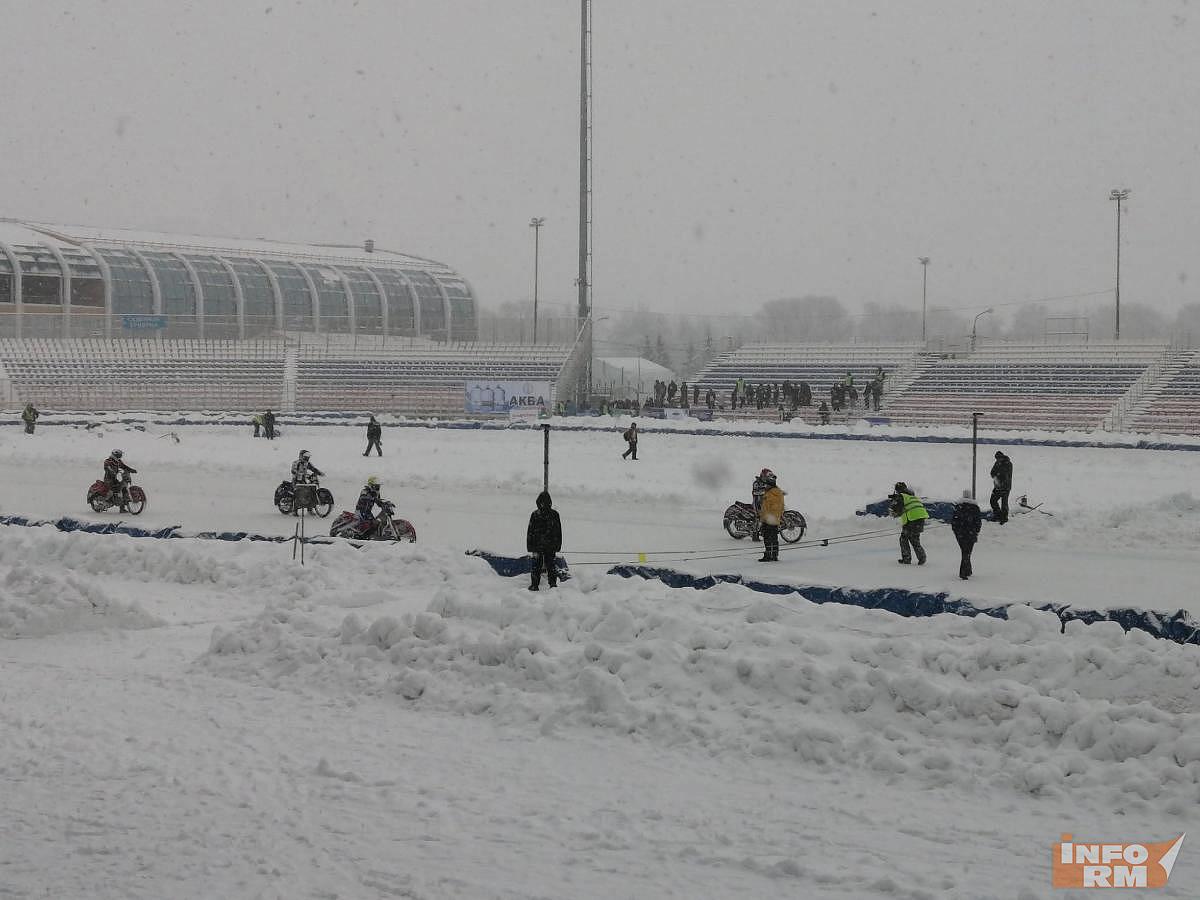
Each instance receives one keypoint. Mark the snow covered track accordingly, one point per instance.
(190, 719)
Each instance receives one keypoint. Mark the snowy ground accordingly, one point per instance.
(200, 719)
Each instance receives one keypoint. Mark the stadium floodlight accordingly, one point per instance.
(1120, 195)
(924, 261)
(536, 224)
(975, 325)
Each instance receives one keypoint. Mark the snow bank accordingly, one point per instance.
(36, 603)
(950, 700)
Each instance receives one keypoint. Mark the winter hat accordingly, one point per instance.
(901, 487)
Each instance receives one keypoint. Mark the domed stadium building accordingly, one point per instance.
(76, 282)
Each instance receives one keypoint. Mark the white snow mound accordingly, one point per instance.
(938, 701)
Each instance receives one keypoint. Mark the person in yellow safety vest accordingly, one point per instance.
(912, 514)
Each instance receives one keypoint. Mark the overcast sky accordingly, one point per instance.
(743, 151)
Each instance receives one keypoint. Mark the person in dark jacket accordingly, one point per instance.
(544, 539)
(269, 425)
(823, 410)
(966, 523)
(374, 433)
(29, 416)
(631, 438)
(115, 468)
(1001, 486)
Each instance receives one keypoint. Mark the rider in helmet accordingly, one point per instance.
(763, 482)
(368, 499)
(303, 471)
(114, 477)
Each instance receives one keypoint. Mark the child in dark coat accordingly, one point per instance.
(544, 540)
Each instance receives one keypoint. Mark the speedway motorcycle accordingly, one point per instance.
(310, 497)
(742, 521)
(384, 527)
(101, 497)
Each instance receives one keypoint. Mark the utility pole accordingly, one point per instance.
(1120, 195)
(585, 153)
(974, 449)
(536, 224)
(924, 261)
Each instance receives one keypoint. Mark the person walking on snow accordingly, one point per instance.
(269, 425)
(966, 523)
(631, 437)
(543, 539)
(1002, 471)
(29, 416)
(770, 514)
(912, 515)
(374, 433)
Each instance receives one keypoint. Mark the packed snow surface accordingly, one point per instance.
(192, 718)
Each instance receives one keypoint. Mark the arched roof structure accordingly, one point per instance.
(75, 281)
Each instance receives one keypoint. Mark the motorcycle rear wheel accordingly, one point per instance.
(324, 503)
(97, 503)
(284, 504)
(737, 528)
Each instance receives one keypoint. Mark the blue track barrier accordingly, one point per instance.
(1179, 626)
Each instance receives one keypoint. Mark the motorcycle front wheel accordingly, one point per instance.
(135, 506)
(793, 527)
(737, 528)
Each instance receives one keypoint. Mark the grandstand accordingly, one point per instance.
(1027, 386)
(1143, 387)
(413, 376)
(1172, 404)
(820, 365)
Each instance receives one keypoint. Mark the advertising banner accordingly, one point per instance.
(488, 397)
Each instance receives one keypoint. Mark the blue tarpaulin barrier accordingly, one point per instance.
(1178, 626)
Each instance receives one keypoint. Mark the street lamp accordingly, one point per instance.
(924, 261)
(975, 324)
(536, 224)
(1118, 194)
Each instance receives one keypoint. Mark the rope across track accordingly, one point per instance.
(616, 557)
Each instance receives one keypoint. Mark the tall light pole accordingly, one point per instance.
(536, 224)
(1118, 194)
(975, 324)
(924, 261)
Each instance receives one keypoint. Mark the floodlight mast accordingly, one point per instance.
(1120, 195)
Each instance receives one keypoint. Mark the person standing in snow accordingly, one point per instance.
(374, 433)
(631, 438)
(257, 422)
(966, 523)
(543, 539)
(29, 416)
(1002, 471)
(770, 514)
(912, 515)
(269, 425)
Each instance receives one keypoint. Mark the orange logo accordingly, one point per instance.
(1113, 865)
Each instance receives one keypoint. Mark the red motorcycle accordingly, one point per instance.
(384, 527)
(101, 497)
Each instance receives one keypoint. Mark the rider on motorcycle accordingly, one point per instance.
(303, 471)
(763, 482)
(114, 478)
(368, 499)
